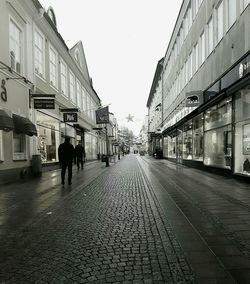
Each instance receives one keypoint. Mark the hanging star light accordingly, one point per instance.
(129, 118)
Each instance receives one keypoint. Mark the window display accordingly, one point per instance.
(198, 138)
(242, 132)
(19, 146)
(48, 137)
(187, 141)
(1, 146)
(217, 147)
(172, 145)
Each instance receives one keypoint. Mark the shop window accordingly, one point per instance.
(219, 115)
(19, 146)
(48, 137)
(242, 132)
(198, 138)
(188, 141)
(218, 147)
(1, 146)
(172, 146)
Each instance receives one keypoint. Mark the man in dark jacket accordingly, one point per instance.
(80, 155)
(66, 156)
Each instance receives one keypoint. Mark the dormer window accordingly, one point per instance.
(77, 57)
(51, 14)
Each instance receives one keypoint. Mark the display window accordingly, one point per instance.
(19, 147)
(198, 138)
(179, 144)
(172, 145)
(242, 132)
(90, 146)
(188, 140)
(218, 115)
(48, 137)
(218, 147)
(165, 147)
(1, 146)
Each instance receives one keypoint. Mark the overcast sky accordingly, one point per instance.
(123, 40)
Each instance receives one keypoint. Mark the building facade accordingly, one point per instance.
(46, 90)
(205, 87)
(155, 112)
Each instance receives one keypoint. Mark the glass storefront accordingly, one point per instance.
(90, 146)
(242, 132)
(48, 137)
(172, 145)
(188, 140)
(218, 135)
(198, 138)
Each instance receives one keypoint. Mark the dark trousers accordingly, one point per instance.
(63, 172)
(79, 160)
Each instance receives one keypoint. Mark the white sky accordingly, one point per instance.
(123, 40)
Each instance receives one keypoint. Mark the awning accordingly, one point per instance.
(24, 125)
(6, 122)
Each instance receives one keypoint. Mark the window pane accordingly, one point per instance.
(220, 22)
(210, 36)
(231, 12)
(217, 147)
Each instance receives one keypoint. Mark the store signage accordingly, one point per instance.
(194, 99)
(236, 73)
(69, 117)
(102, 115)
(44, 103)
(4, 91)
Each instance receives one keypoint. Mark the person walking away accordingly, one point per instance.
(66, 156)
(80, 155)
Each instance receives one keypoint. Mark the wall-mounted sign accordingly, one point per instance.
(70, 117)
(44, 103)
(4, 91)
(194, 99)
(102, 115)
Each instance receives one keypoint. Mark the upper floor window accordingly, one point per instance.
(210, 35)
(231, 12)
(63, 78)
(84, 103)
(220, 21)
(77, 57)
(52, 67)
(245, 3)
(78, 94)
(72, 87)
(202, 48)
(39, 54)
(15, 47)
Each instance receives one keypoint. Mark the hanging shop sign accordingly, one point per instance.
(69, 117)
(3, 91)
(194, 99)
(44, 104)
(102, 115)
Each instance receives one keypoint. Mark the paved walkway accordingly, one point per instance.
(139, 221)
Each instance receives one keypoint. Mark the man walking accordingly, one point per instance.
(80, 155)
(66, 156)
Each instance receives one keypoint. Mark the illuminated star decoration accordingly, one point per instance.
(129, 118)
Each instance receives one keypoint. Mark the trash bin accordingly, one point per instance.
(104, 157)
(36, 165)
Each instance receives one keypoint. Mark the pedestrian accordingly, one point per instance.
(66, 156)
(79, 155)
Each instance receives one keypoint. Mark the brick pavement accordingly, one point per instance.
(110, 231)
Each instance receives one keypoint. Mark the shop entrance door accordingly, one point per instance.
(179, 145)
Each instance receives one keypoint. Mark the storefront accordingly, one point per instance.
(48, 136)
(90, 146)
(216, 134)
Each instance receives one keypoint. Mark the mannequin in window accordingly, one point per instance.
(246, 165)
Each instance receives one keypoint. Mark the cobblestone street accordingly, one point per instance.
(134, 222)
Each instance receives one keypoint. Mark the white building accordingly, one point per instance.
(206, 117)
(35, 64)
